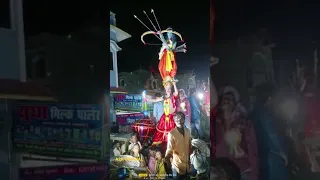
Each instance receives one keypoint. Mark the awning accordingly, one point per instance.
(118, 90)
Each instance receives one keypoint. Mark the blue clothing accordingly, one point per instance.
(158, 110)
(270, 145)
(195, 108)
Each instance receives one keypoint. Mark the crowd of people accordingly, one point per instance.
(177, 118)
(265, 143)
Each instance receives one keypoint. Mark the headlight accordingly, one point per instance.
(200, 96)
(290, 108)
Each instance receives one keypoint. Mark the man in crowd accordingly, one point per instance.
(195, 113)
(270, 135)
(179, 148)
(158, 108)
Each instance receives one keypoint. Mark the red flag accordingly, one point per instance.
(212, 19)
(151, 69)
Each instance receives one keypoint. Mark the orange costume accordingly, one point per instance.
(167, 55)
(167, 64)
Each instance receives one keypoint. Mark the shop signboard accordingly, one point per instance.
(128, 119)
(130, 102)
(70, 172)
(59, 130)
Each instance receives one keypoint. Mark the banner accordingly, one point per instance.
(128, 119)
(59, 130)
(73, 172)
(130, 102)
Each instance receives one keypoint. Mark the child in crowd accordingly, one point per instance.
(152, 160)
(117, 149)
(124, 148)
(160, 171)
(135, 152)
(133, 141)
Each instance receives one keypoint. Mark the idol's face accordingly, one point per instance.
(168, 90)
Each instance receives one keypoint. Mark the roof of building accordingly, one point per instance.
(120, 35)
(14, 89)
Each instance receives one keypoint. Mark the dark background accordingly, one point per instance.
(292, 25)
(63, 17)
(186, 17)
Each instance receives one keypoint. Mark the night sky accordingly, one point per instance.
(188, 18)
(293, 26)
(63, 17)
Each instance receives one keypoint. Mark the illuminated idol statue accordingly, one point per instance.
(167, 60)
(166, 122)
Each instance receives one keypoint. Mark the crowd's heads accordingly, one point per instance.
(192, 91)
(204, 85)
(224, 169)
(179, 119)
(117, 144)
(136, 148)
(182, 93)
(228, 101)
(134, 138)
(152, 151)
(158, 95)
(158, 154)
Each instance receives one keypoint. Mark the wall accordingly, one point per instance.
(134, 82)
(113, 79)
(9, 55)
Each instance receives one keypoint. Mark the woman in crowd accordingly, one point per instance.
(234, 134)
(136, 153)
(183, 105)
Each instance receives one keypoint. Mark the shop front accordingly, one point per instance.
(129, 108)
(59, 131)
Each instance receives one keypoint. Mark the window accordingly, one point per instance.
(5, 14)
(111, 61)
(154, 85)
(121, 82)
(41, 68)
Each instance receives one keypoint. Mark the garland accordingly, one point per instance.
(166, 108)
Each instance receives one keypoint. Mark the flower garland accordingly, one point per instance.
(166, 108)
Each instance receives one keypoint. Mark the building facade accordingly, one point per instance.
(12, 50)
(135, 82)
(116, 35)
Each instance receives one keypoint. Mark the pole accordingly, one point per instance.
(17, 24)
